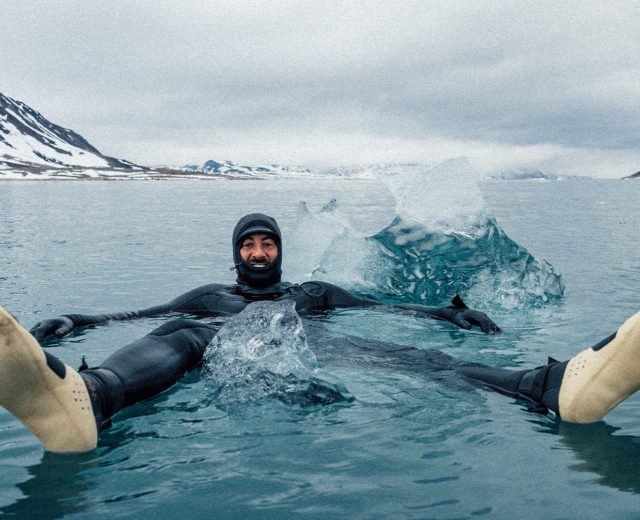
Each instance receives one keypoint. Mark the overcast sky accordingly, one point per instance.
(554, 85)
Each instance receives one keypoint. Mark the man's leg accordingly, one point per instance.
(539, 386)
(583, 389)
(580, 390)
(65, 409)
(146, 367)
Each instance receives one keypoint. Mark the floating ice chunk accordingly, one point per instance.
(263, 352)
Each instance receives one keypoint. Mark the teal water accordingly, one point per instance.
(406, 447)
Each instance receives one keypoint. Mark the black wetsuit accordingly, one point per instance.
(155, 362)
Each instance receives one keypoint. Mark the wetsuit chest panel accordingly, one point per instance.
(305, 300)
(216, 298)
(232, 303)
(220, 301)
(211, 298)
(207, 303)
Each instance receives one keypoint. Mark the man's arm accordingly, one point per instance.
(191, 301)
(457, 313)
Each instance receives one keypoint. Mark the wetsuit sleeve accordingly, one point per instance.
(457, 313)
(334, 296)
(192, 301)
(337, 297)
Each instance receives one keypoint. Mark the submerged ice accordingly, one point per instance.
(442, 241)
(263, 352)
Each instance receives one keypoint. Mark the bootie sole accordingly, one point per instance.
(55, 409)
(595, 381)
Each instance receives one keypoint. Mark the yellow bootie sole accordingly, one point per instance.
(595, 381)
(55, 409)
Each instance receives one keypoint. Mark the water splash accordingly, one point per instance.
(326, 246)
(262, 352)
(443, 240)
(445, 197)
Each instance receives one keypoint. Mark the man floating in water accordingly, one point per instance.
(66, 409)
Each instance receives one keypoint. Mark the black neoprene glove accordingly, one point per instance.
(465, 318)
(60, 327)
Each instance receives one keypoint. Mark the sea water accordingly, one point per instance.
(555, 264)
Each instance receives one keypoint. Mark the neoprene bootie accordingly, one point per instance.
(600, 377)
(47, 396)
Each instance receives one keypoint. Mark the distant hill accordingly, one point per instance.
(531, 175)
(634, 176)
(30, 141)
(231, 169)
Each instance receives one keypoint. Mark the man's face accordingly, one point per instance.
(259, 250)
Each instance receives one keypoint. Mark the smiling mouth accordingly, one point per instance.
(259, 264)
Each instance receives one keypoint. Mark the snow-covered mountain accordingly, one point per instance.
(531, 175)
(231, 169)
(235, 170)
(30, 141)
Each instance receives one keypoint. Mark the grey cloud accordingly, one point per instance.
(502, 72)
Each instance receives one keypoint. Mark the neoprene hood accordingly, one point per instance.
(247, 274)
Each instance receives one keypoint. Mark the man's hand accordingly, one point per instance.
(466, 318)
(59, 327)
